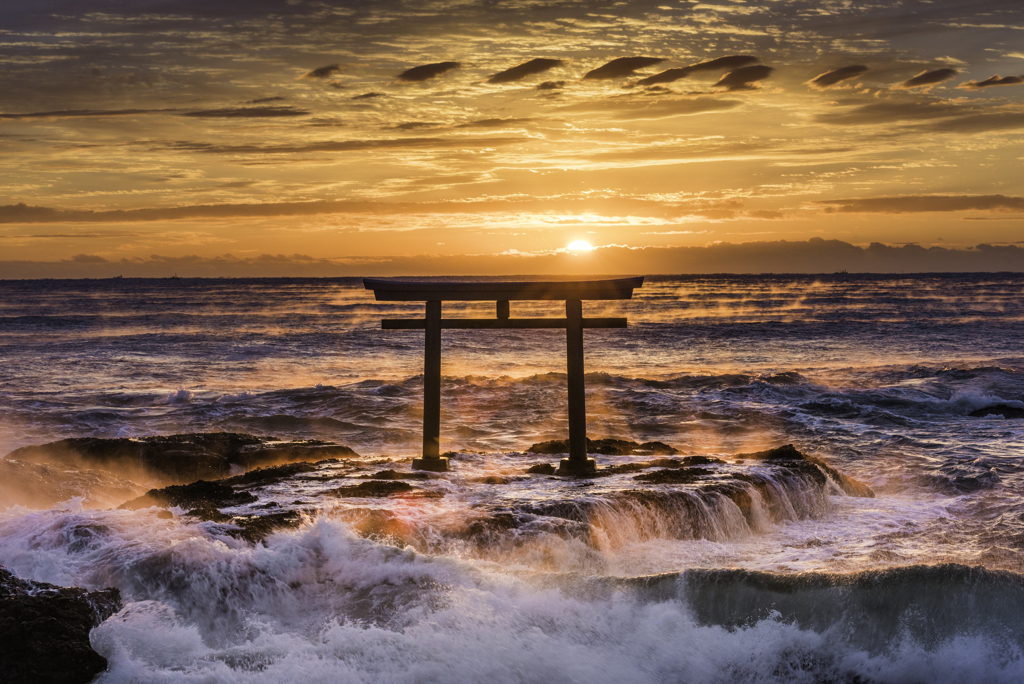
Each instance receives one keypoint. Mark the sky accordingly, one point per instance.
(485, 137)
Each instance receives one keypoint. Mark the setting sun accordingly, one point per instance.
(579, 246)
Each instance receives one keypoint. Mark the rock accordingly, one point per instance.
(44, 631)
(541, 469)
(675, 476)
(37, 485)
(260, 477)
(849, 485)
(199, 496)
(373, 488)
(607, 447)
(178, 459)
(256, 528)
(382, 488)
(1004, 410)
(396, 475)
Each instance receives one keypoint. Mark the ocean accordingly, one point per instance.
(912, 384)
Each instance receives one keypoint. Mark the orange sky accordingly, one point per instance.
(487, 136)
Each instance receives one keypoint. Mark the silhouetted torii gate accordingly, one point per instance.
(433, 293)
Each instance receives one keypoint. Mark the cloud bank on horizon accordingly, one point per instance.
(431, 134)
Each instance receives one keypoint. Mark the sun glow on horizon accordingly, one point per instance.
(579, 246)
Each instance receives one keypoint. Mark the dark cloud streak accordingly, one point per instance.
(928, 78)
(621, 67)
(744, 78)
(427, 71)
(836, 76)
(322, 72)
(909, 204)
(524, 70)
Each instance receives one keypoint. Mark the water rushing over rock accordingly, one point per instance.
(705, 549)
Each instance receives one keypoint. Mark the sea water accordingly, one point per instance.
(877, 375)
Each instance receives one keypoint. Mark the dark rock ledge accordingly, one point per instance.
(44, 631)
(178, 459)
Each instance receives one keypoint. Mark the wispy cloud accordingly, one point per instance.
(427, 72)
(622, 67)
(322, 72)
(837, 76)
(927, 79)
(996, 80)
(925, 203)
(525, 70)
(744, 78)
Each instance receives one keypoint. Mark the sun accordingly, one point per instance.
(579, 246)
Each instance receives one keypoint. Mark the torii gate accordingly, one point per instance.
(433, 293)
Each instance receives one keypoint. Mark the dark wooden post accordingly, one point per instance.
(577, 463)
(432, 393)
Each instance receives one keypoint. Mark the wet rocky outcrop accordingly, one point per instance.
(205, 500)
(379, 488)
(44, 631)
(1004, 410)
(39, 485)
(607, 447)
(792, 458)
(178, 459)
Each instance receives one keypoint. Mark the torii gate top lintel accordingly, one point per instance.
(491, 291)
(573, 292)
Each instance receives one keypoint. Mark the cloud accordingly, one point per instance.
(667, 76)
(996, 80)
(887, 112)
(729, 62)
(551, 85)
(518, 73)
(637, 108)
(82, 113)
(247, 113)
(909, 204)
(263, 100)
(622, 67)
(494, 123)
(233, 112)
(343, 145)
(814, 256)
(831, 78)
(368, 96)
(322, 72)
(982, 122)
(427, 71)
(744, 78)
(928, 78)
(88, 259)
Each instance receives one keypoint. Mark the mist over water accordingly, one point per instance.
(877, 375)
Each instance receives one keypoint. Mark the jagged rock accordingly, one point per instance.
(607, 447)
(255, 528)
(1004, 410)
(199, 496)
(261, 477)
(178, 459)
(684, 462)
(849, 485)
(373, 488)
(675, 476)
(44, 631)
(37, 485)
(396, 475)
